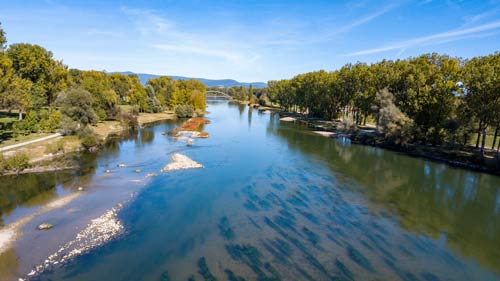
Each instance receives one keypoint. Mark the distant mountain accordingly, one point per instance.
(144, 77)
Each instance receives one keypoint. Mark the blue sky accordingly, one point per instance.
(249, 40)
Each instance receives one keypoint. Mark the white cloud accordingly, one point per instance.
(237, 58)
(434, 39)
(148, 21)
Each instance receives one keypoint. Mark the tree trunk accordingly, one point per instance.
(482, 143)
(495, 137)
(498, 150)
(20, 115)
(479, 133)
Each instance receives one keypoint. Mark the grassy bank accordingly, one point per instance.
(42, 155)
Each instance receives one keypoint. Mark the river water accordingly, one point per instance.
(274, 202)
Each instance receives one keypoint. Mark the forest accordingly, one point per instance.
(41, 94)
(431, 99)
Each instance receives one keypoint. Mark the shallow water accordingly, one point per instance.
(275, 202)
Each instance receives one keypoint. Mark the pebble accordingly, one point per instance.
(45, 226)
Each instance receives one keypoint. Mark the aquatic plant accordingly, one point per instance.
(287, 224)
(358, 258)
(164, 276)
(253, 222)
(309, 216)
(250, 206)
(278, 186)
(344, 271)
(225, 229)
(204, 271)
(233, 277)
(311, 236)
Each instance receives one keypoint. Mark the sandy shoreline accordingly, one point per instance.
(11, 232)
(98, 232)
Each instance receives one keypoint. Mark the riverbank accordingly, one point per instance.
(57, 153)
(461, 157)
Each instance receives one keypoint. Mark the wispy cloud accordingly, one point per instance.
(326, 30)
(148, 21)
(367, 18)
(472, 19)
(192, 48)
(434, 39)
(163, 34)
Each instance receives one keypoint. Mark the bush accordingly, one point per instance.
(30, 124)
(89, 140)
(184, 111)
(17, 162)
(264, 100)
(3, 165)
(50, 120)
(129, 120)
(394, 124)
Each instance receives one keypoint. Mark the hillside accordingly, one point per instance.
(208, 82)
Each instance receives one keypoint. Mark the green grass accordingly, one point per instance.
(23, 139)
(488, 143)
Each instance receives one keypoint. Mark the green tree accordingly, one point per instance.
(3, 39)
(76, 108)
(482, 92)
(14, 91)
(36, 64)
(250, 94)
(393, 123)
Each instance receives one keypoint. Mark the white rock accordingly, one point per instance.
(180, 162)
(288, 119)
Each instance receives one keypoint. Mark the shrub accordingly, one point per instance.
(184, 111)
(2, 164)
(17, 162)
(264, 100)
(50, 120)
(394, 124)
(89, 140)
(129, 120)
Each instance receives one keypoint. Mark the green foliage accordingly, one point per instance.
(171, 93)
(129, 120)
(36, 64)
(433, 90)
(50, 120)
(29, 125)
(17, 162)
(264, 100)
(250, 94)
(89, 140)
(184, 111)
(76, 108)
(3, 39)
(393, 123)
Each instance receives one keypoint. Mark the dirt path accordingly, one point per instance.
(30, 142)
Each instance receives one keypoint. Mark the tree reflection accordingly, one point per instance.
(426, 197)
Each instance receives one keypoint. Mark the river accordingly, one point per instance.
(274, 202)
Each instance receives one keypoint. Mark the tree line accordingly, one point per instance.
(430, 99)
(48, 95)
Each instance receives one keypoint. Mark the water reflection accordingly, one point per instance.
(280, 203)
(458, 206)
